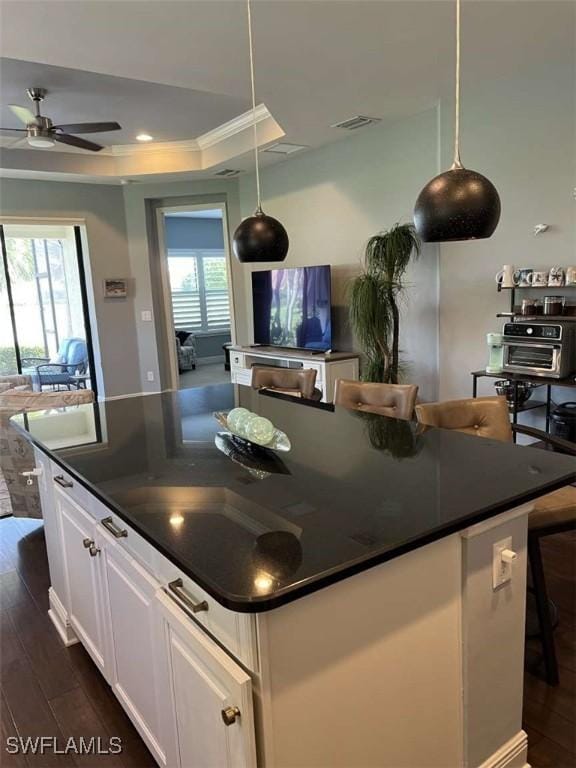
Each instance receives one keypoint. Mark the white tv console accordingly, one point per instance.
(329, 366)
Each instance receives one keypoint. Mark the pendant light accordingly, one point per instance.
(459, 204)
(259, 237)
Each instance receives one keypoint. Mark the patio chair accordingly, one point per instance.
(72, 359)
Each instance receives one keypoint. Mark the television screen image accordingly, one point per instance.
(292, 308)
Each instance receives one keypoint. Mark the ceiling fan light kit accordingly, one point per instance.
(459, 204)
(259, 237)
(42, 133)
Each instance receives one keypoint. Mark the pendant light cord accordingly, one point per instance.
(457, 163)
(251, 45)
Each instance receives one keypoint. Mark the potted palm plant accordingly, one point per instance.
(374, 295)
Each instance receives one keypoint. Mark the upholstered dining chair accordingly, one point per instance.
(394, 400)
(291, 381)
(16, 453)
(553, 513)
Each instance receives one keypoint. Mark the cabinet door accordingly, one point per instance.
(212, 697)
(82, 576)
(139, 673)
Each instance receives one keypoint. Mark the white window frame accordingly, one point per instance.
(201, 254)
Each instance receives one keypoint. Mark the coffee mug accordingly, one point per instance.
(556, 277)
(524, 277)
(570, 275)
(540, 278)
(506, 276)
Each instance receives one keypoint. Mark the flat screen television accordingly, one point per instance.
(292, 308)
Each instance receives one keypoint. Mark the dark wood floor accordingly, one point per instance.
(47, 689)
(550, 713)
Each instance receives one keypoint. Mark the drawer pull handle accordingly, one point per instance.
(177, 587)
(111, 526)
(230, 715)
(61, 480)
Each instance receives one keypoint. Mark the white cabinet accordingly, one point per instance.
(211, 694)
(328, 366)
(83, 584)
(139, 670)
(174, 682)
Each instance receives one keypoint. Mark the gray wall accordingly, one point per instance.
(521, 134)
(187, 232)
(101, 209)
(331, 200)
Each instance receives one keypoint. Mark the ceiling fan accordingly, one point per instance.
(41, 132)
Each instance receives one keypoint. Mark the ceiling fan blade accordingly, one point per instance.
(19, 130)
(76, 141)
(23, 114)
(88, 127)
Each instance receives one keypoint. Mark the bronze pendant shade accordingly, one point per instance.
(259, 237)
(458, 204)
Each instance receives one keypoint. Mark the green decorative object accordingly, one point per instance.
(374, 297)
(243, 423)
(235, 415)
(260, 430)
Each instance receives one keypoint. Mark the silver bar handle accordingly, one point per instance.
(61, 480)
(177, 587)
(111, 526)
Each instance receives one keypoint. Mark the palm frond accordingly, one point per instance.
(373, 303)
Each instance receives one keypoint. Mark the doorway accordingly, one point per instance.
(44, 325)
(197, 291)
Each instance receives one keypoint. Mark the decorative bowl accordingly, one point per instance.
(505, 388)
(279, 441)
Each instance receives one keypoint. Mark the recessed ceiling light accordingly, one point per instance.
(144, 137)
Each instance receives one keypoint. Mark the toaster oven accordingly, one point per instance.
(540, 349)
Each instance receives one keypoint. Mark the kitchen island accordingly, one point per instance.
(335, 605)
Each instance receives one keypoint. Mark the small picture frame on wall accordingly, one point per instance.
(115, 288)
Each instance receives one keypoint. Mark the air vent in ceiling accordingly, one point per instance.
(284, 148)
(360, 121)
(228, 172)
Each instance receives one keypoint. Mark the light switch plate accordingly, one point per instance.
(501, 570)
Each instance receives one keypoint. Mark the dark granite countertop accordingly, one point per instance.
(257, 530)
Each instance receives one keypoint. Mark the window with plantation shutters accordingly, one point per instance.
(199, 288)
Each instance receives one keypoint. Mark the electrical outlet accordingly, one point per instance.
(146, 316)
(502, 558)
(150, 375)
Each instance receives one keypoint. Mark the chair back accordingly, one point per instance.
(480, 416)
(62, 354)
(77, 356)
(293, 381)
(394, 400)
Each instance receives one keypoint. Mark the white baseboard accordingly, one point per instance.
(513, 754)
(59, 617)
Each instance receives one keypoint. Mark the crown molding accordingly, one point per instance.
(234, 126)
(206, 140)
(122, 150)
